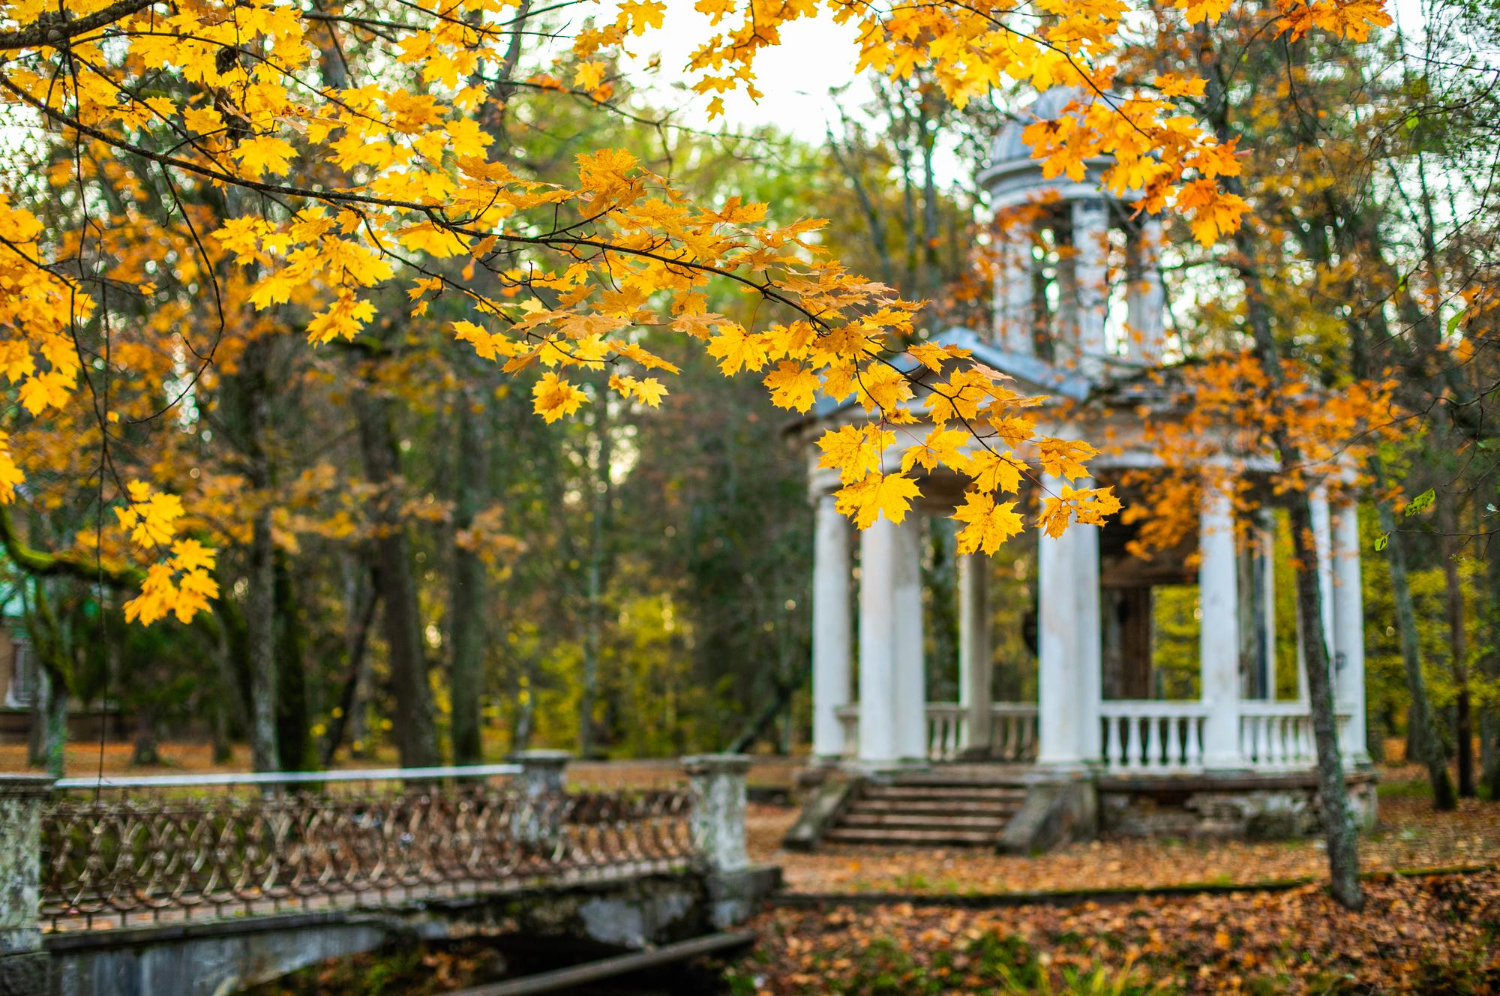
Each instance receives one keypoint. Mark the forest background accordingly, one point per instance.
(634, 581)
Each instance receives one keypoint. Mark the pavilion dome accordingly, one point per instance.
(1012, 175)
(1048, 106)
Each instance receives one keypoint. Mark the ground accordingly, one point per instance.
(1410, 836)
(1431, 923)
(1427, 935)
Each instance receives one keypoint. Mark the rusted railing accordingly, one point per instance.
(180, 847)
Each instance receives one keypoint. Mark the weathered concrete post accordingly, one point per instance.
(23, 963)
(718, 828)
(718, 820)
(543, 775)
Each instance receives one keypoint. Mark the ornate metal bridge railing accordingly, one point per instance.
(171, 848)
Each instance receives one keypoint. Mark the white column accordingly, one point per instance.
(1091, 270)
(1145, 303)
(1218, 638)
(1322, 529)
(1069, 647)
(1349, 629)
(1013, 295)
(832, 629)
(974, 652)
(877, 645)
(910, 706)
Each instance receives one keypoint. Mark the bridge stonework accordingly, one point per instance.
(23, 962)
(196, 912)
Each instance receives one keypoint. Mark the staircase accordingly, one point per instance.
(926, 811)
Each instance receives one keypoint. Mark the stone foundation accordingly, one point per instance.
(1246, 806)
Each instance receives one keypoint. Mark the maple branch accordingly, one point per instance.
(40, 563)
(55, 30)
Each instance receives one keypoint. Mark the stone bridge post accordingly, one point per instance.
(539, 817)
(718, 826)
(23, 963)
(718, 821)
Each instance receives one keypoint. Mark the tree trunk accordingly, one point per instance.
(1490, 725)
(467, 588)
(415, 731)
(1339, 829)
(48, 738)
(594, 582)
(260, 627)
(1458, 643)
(1422, 744)
(293, 736)
(260, 579)
(145, 747)
(348, 718)
(55, 721)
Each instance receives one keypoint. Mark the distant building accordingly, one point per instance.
(1093, 337)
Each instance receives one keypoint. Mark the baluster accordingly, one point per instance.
(1192, 753)
(1107, 738)
(1153, 741)
(1173, 758)
(1132, 741)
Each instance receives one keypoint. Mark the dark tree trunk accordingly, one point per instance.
(1339, 829)
(347, 717)
(260, 578)
(1458, 644)
(1422, 743)
(598, 566)
(1490, 725)
(395, 581)
(145, 746)
(466, 625)
(293, 736)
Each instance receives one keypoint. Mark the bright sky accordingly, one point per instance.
(795, 77)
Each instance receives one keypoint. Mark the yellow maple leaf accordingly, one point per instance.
(855, 451)
(994, 471)
(553, 397)
(942, 446)
(588, 75)
(875, 495)
(264, 154)
(792, 385)
(987, 525)
(643, 14)
(736, 349)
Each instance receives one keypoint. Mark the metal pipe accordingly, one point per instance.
(562, 978)
(292, 777)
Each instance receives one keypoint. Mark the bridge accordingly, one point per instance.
(212, 883)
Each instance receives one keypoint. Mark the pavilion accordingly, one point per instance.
(1079, 316)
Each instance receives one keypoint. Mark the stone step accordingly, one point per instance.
(955, 779)
(923, 821)
(892, 837)
(958, 793)
(1006, 807)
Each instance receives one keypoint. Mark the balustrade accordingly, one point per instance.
(1140, 735)
(1279, 735)
(1012, 731)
